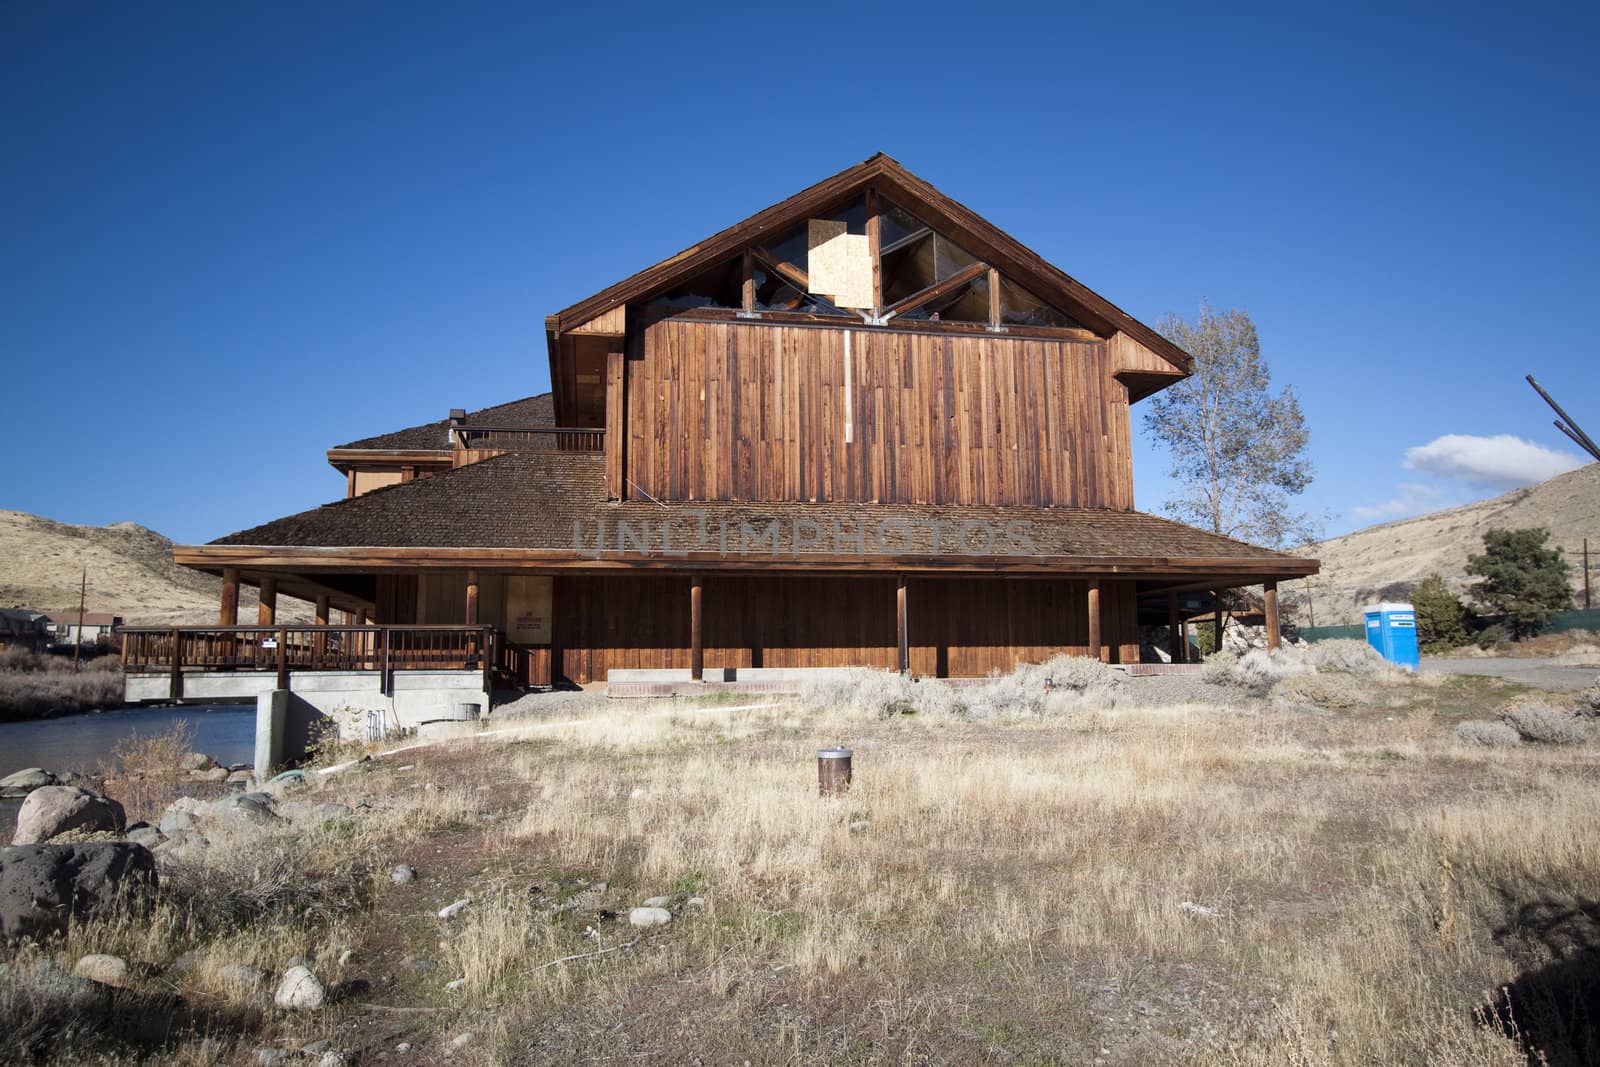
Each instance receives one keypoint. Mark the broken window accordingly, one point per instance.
(773, 293)
(720, 287)
(1018, 307)
(913, 256)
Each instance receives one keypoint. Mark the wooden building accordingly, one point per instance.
(862, 427)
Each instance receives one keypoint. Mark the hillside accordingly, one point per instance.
(131, 573)
(1389, 559)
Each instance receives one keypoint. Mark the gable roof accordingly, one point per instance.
(529, 411)
(981, 237)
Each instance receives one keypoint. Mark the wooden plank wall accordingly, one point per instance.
(735, 411)
(959, 627)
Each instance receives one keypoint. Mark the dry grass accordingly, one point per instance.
(35, 686)
(1014, 889)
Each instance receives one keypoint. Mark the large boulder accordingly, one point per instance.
(25, 781)
(44, 887)
(56, 809)
(196, 761)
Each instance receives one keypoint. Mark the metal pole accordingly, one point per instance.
(1586, 574)
(83, 593)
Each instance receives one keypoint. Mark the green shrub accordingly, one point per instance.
(1443, 621)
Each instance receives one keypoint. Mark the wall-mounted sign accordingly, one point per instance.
(528, 601)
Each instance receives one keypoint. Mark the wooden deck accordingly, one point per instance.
(282, 650)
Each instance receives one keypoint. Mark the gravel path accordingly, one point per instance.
(1556, 673)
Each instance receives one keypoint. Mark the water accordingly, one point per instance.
(226, 732)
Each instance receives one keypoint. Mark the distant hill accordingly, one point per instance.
(1388, 560)
(131, 574)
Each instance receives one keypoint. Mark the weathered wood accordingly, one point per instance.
(1269, 596)
(986, 419)
(1175, 644)
(874, 247)
(267, 608)
(994, 298)
(937, 289)
(616, 421)
(747, 286)
(902, 625)
(283, 657)
(1092, 603)
(613, 323)
(321, 640)
(229, 614)
(472, 598)
(175, 681)
(697, 661)
(784, 269)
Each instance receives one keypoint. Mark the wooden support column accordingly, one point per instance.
(1096, 647)
(697, 652)
(1269, 595)
(472, 598)
(1175, 642)
(319, 643)
(1216, 627)
(616, 419)
(267, 613)
(902, 624)
(230, 597)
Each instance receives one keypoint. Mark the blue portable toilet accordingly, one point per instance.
(1392, 630)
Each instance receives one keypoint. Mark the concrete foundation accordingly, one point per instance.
(747, 675)
(352, 699)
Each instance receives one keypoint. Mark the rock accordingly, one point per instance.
(298, 961)
(455, 983)
(241, 976)
(316, 1048)
(214, 774)
(187, 805)
(196, 761)
(1199, 911)
(175, 819)
(25, 781)
(649, 916)
(461, 1041)
(421, 966)
(244, 775)
(286, 782)
(331, 811)
(148, 836)
(107, 970)
(658, 902)
(404, 1046)
(271, 1057)
(244, 809)
(404, 874)
(43, 887)
(334, 1058)
(54, 809)
(300, 990)
(450, 911)
(696, 902)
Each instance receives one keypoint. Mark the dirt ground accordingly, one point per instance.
(1249, 879)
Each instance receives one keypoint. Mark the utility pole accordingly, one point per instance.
(1586, 574)
(83, 594)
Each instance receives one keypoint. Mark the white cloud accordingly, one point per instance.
(1499, 462)
(1412, 499)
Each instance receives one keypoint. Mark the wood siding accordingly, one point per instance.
(734, 411)
(958, 628)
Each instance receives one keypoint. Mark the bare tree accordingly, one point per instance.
(1237, 448)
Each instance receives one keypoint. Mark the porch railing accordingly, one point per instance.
(281, 649)
(533, 438)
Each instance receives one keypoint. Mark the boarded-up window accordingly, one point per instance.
(840, 263)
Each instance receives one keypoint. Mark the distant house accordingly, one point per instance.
(22, 628)
(98, 627)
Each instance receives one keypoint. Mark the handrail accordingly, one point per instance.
(564, 438)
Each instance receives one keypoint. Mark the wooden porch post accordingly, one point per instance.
(1175, 642)
(1216, 628)
(1096, 650)
(902, 625)
(697, 652)
(319, 644)
(1269, 595)
(616, 419)
(472, 598)
(230, 597)
(267, 613)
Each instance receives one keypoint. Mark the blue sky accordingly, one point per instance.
(237, 234)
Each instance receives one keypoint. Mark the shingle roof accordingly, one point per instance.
(531, 500)
(529, 411)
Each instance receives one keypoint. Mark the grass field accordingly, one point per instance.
(1323, 874)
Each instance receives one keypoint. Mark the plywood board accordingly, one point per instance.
(839, 264)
